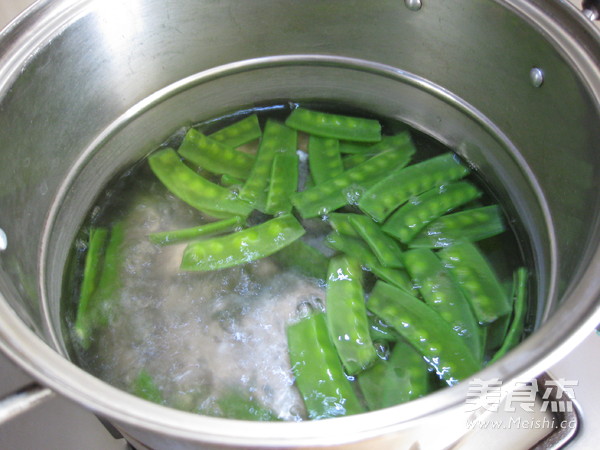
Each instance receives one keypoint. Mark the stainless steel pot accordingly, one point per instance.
(87, 87)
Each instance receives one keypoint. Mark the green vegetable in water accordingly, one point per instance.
(283, 183)
(385, 248)
(411, 218)
(194, 189)
(145, 387)
(214, 156)
(477, 280)
(304, 258)
(442, 293)
(425, 330)
(347, 314)
(242, 247)
(239, 133)
(209, 229)
(324, 158)
(334, 125)
(318, 372)
(472, 225)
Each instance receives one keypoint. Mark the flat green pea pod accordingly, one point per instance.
(404, 183)
(334, 125)
(96, 313)
(241, 406)
(347, 314)
(354, 148)
(425, 330)
(283, 182)
(304, 258)
(381, 331)
(403, 377)
(209, 229)
(194, 189)
(347, 187)
(91, 276)
(348, 162)
(324, 158)
(276, 138)
(214, 156)
(385, 248)
(239, 133)
(515, 330)
(442, 293)
(243, 246)
(229, 181)
(358, 249)
(145, 387)
(340, 222)
(478, 281)
(472, 225)
(411, 218)
(318, 371)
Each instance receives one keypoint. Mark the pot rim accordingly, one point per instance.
(539, 351)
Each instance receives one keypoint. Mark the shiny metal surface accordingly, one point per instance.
(86, 87)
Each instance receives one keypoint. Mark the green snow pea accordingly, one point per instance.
(471, 224)
(92, 273)
(243, 246)
(403, 377)
(442, 293)
(381, 331)
(515, 330)
(145, 387)
(404, 183)
(229, 181)
(242, 406)
(358, 249)
(478, 281)
(324, 158)
(347, 187)
(318, 371)
(276, 138)
(194, 189)
(176, 236)
(411, 218)
(354, 148)
(425, 330)
(340, 222)
(214, 156)
(385, 248)
(334, 125)
(346, 314)
(304, 258)
(354, 160)
(96, 313)
(238, 133)
(283, 183)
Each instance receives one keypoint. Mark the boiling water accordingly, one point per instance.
(205, 336)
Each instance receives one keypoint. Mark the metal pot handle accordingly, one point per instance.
(591, 9)
(22, 401)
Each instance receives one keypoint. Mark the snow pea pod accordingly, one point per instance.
(238, 133)
(334, 126)
(283, 183)
(354, 148)
(276, 138)
(304, 258)
(472, 224)
(385, 248)
(411, 218)
(318, 371)
(442, 293)
(425, 330)
(324, 158)
(347, 187)
(478, 281)
(145, 387)
(243, 406)
(354, 160)
(176, 236)
(214, 156)
(96, 314)
(357, 248)
(346, 314)
(91, 276)
(340, 222)
(403, 183)
(194, 189)
(243, 246)
(515, 330)
(229, 181)
(403, 377)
